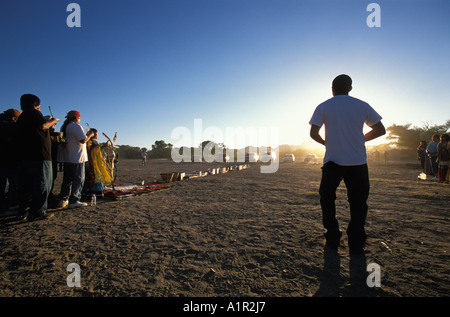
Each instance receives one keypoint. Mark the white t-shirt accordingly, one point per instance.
(73, 151)
(344, 118)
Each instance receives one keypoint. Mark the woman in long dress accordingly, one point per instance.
(97, 172)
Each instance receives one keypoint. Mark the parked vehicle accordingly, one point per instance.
(289, 158)
(311, 158)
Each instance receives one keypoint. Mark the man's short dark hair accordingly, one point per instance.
(342, 84)
(29, 101)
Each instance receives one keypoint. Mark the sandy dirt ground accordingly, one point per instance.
(238, 234)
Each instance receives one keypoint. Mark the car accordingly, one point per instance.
(267, 157)
(289, 158)
(252, 157)
(311, 158)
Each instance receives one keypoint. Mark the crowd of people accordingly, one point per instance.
(31, 152)
(435, 157)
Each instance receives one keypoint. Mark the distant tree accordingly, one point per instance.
(404, 136)
(429, 130)
(211, 147)
(161, 149)
(128, 152)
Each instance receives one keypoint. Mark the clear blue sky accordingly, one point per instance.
(143, 68)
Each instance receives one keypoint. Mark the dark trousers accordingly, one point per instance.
(9, 181)
(356, 179)
(434, 166)
(73, 182)
(35, 182)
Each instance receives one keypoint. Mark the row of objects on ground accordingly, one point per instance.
(266, 158)
(179, 176)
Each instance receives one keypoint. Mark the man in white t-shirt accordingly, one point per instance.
(74, 155)
(345, 159)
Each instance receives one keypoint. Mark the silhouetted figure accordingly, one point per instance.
(345, 159)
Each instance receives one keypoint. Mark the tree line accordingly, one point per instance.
(408, 137)
(162, 150)
(405, 137)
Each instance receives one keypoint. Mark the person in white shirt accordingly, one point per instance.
(74, 155)
(345, 159)
(144, 157)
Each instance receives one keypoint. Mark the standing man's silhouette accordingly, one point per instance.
(345, 159)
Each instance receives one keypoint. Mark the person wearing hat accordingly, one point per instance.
(35, 160)
(74, 155)
(8, 160)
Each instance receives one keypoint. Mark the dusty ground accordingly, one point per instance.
(242, 233)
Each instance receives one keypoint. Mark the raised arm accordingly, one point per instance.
(89, 135)
(48, 124)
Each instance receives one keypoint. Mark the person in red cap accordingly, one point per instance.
(74, 155)
(9, 177)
